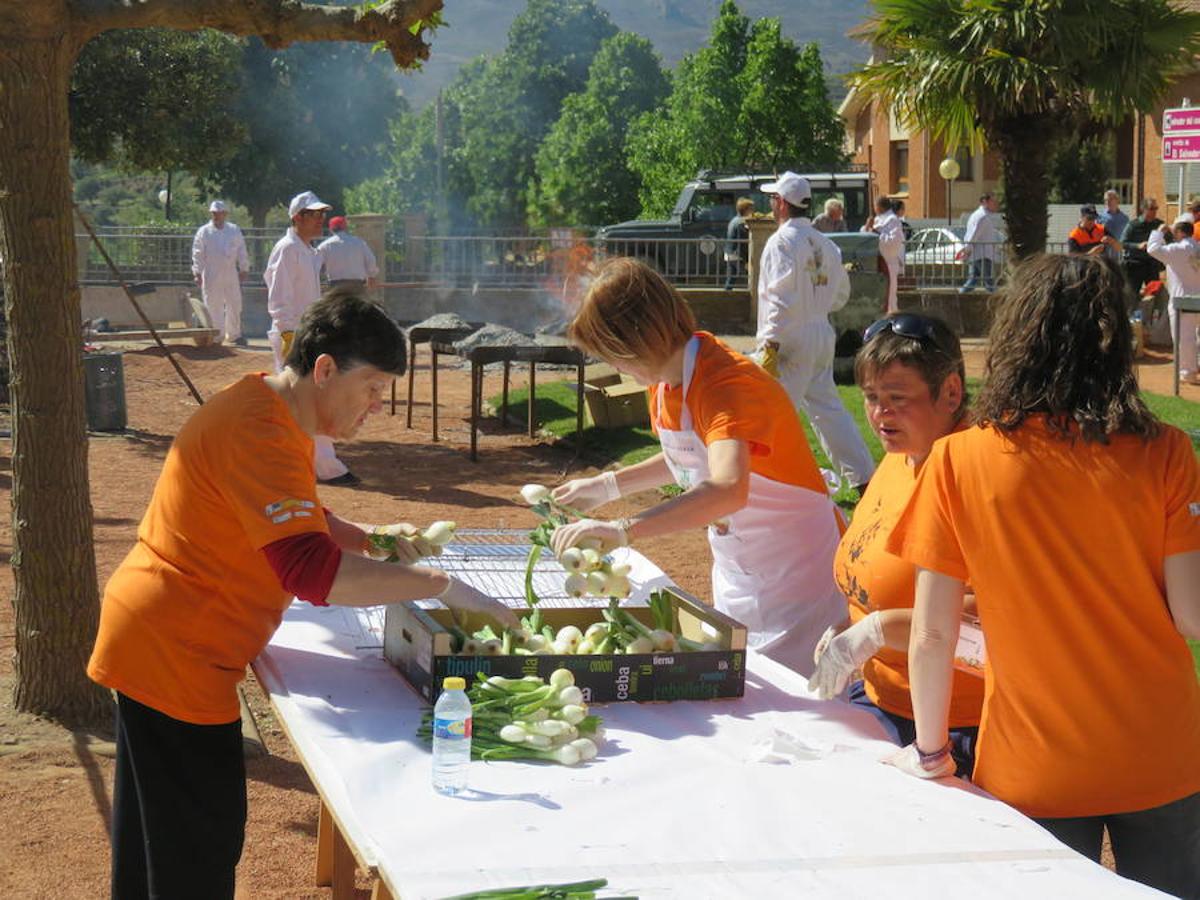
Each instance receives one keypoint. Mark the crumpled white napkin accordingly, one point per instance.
(784, 748)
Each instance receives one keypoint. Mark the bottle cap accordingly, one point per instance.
(454, 683)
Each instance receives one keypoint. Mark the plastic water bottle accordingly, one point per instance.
(451, 737)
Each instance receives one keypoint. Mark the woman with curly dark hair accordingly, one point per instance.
(1076, 516)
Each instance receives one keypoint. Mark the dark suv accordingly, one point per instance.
(688, 247)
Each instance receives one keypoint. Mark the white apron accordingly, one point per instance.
(772, 559)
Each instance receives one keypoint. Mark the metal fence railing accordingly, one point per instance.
(159, 255)
(934, 258)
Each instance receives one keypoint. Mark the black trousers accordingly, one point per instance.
(1159, 847)
(179, 806)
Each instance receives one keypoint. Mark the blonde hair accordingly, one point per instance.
(744, 206)
(631, 313)
(833, 203)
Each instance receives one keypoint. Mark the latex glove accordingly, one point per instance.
(462, 598)
(838, 655)
(769, 360)
(585, 494)
(608, 535)
(908, 761)
(407, 548)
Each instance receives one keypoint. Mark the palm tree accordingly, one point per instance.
(1016, 75)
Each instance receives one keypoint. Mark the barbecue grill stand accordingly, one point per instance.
(420, 335)
(530, 353)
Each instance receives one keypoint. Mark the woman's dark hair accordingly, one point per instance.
(1061, 346)
(935, 358)
(884, 203)
(351, 329)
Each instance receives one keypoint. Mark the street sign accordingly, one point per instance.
(1181, 148)
(1181, 121)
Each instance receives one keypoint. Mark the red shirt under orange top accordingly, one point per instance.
(197, 599)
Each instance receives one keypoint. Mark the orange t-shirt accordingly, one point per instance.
(873, 579)
(1091, 704)
(196, 599)
(733, 398)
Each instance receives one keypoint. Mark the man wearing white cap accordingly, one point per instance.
(801, 280)
(293, 277)
(1178, 250)
(218, 256)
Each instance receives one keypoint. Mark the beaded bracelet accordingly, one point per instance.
(927, 759)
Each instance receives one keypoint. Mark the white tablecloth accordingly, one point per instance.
(673, 808)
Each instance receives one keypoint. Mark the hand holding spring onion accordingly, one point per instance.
(405, 543)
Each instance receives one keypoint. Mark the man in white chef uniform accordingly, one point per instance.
(218, 262)
(293, 277)
(801, 280)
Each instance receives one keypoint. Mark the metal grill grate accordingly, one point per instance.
(494, 562)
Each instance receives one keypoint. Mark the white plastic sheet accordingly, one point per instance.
(773, 795)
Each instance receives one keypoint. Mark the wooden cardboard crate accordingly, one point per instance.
(418, 643)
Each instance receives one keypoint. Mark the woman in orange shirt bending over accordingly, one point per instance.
(911, 373)
(731, 438)
(1075, 514)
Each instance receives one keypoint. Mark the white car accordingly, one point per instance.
(935, 246)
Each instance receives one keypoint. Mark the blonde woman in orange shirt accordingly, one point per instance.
(914, 390)
(731, 438)
(1075, 513)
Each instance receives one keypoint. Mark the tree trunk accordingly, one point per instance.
(1023, 143)
(55, 602)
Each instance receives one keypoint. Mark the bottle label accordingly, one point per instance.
(452, 729)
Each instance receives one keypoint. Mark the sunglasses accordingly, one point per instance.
(909, 325)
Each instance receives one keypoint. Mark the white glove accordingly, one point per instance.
(838, 655)
(588, 493)
(609, 535)
(462, 598)
(908, 760)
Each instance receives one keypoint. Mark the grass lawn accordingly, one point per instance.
(555, 408)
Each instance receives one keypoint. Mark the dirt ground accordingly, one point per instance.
(55, 785)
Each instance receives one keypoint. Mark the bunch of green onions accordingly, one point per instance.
(526, 718)
(578, 890)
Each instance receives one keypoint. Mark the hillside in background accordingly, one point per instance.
(675, 27)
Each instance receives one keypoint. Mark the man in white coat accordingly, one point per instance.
(890, 229)
(982, 245)
(218, 262)
(1177, 249)
(801, 280)
(347, 259)
(293, 277)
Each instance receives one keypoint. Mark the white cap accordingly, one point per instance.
(306, 200)
(1186, 217)
(791, 187)
(217, 206)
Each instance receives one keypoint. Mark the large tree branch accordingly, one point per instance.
(277, 22)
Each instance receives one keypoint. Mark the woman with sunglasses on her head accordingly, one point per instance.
(1075, 514)
(731, 438)
(910, 369)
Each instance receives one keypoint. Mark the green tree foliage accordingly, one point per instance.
(316, 118)
(751, 99)
(412, 181)
(582, 175)
(1018, 75)
(551, 45)
(156, 100)
(1079, 168)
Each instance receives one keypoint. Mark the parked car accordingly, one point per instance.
(687, 247)
(937, 256)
